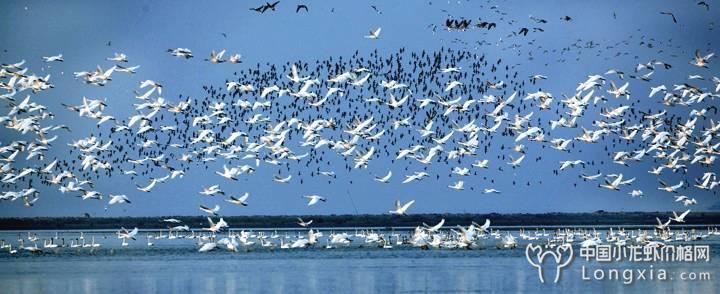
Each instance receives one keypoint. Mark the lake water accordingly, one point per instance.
(175, 266)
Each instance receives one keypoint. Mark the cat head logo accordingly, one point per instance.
(562, 256)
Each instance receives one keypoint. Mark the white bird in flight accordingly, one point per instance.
(239, 201)
(385, 179)
(304, 224)
(401, 209)
(680, 218)
(459, 185)
(116, 199)
(314, 199)
(282, 180)
(435, 227)
(149, 187)
(211, 211)
(58, 57)
(216, 57)
(119, 57)
(374, 35)
(125, 234)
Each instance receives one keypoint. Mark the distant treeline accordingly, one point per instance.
(290, 221)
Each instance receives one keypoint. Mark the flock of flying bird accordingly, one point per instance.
(449, 108)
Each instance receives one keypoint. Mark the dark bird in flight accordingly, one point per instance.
(485, 24)
(301, 6)
(524, 31)
(260, 9)
(566, 18)
(457, 24)
(271, 6)
(538, 20)
(463, 24)
(224, 35)
(265, 7)
(703, 3)
(670, 14)
(376, 9)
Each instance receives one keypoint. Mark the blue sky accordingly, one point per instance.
(80, 30)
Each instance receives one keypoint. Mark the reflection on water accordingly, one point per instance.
(267, 275)
(312, 271)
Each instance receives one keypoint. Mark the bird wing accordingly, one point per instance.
(407, 205)
(677, 186)
(146, 83)
(294, 72)
(617, 181)
(486, 224)
(684, 214)
(313, 200)
(439, 225)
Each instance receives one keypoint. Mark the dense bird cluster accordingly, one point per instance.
(415, 109)
(473, 236)
(453, 109)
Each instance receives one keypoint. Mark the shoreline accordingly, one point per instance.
(511, 220)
